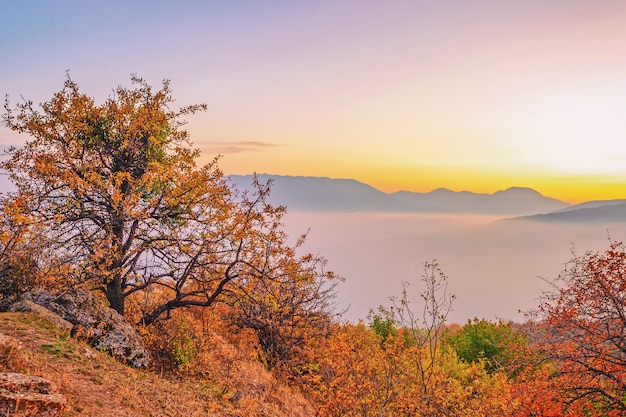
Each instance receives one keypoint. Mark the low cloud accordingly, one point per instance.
(494, 267)
(239, 146)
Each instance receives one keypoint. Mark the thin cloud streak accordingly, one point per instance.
(239, 147)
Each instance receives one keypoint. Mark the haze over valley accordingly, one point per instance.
(496, 257)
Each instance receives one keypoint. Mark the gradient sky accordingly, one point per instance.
(414, 95)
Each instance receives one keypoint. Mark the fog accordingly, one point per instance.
(495, 268)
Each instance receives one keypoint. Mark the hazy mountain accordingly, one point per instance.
(515, 200)
(323, 194)
(607, 211)
(317, 194)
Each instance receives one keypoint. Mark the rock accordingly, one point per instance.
(29, 306)
(101, 326)
(12, 357)
(87, 353)
(22, 395)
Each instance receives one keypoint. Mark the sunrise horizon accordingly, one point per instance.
(466, 96)
(571, 189)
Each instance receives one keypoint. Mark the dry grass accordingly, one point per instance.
(94, 384)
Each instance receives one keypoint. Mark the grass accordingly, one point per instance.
(62, 348)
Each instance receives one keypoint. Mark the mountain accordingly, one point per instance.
(323, 194)
(319, 194)
(515, 200)
(603, 211)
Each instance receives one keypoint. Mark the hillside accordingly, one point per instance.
(94, 384)
(317, 194)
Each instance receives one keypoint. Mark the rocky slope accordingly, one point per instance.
(92, 383)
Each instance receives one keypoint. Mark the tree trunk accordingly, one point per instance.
(115, 296)
(115, 290)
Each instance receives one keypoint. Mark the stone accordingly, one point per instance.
(95, 322)
(87, 353)
(23, 395)
(40, 311)
(12, 357)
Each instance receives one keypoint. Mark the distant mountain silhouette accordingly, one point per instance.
(319, 194)
(322, 194)
(604, 211)
(515, 200)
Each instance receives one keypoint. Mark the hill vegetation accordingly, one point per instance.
(109, 201)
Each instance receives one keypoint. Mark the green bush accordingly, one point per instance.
(497, 344)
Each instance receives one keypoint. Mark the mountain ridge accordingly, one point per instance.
(324, 194)
(597, 211)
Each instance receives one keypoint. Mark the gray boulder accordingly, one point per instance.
(101, 326)
(31, 307)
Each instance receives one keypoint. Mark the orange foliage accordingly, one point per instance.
(581, 327)
(358, 374)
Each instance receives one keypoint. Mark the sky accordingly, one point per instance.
(476, 95)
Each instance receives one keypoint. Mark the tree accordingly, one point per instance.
(356, 375)
(21, 248)
(425, 330)
(288, 311)
(116, 189)
(581, 326)
(383, 322)
(497, 344)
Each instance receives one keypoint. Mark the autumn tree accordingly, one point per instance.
(116, 189)
(288, 311)
(424, 328)
(581, 327)
(21, 249)
(356, 375)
